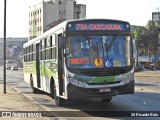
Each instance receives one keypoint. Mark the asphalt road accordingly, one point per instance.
(146, 97)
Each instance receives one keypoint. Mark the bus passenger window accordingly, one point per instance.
(45, 43)
(53, 40)
(48, 42)
(42, 45)
(54, 53)
(45, 55)
(48, 54)
(41, 55)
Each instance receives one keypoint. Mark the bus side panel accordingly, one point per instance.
(29, 69)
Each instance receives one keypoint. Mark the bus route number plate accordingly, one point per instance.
(104, 90)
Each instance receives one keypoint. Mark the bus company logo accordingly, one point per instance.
(6, 114)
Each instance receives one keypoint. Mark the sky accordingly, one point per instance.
(137, 12)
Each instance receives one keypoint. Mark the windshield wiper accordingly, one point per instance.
(97, 50)
(95, 46)
(108, 46)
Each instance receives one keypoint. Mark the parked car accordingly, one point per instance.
(151, 67)
(14, 68)
(137, 69)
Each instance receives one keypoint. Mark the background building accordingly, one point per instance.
(156, 16)
(49, 13)
(79, 11)
(14, 48)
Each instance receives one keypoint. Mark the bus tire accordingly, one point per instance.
(106, 99)
(52, 88)
(59, 101)
(34, 90)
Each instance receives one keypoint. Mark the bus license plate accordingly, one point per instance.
(104, 90)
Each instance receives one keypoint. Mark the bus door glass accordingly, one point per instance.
(38, 64)
(61, 72)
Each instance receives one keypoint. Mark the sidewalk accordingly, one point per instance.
(14, 101)
(153, 74)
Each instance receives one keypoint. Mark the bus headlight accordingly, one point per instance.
(128, 79)
(76, 82)
(69, 78)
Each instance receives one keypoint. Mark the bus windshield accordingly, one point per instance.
(98, 51)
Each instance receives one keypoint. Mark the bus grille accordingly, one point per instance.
(104, 83)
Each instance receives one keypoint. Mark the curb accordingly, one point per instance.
(32, 100)
(27, 96)
(147, 76)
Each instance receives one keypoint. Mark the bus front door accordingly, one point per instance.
(61, 72)
(38, 64)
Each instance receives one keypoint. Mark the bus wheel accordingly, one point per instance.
(106, 100)
(59, 101)
(52, 89)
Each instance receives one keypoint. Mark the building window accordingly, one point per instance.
(59, 2)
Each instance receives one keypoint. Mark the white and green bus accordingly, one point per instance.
(81, 59)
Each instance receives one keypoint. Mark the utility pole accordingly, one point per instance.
(4, 63)
(158, 24)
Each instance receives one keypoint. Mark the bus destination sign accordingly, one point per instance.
(98, 26)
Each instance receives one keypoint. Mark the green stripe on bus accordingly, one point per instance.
(93, 79)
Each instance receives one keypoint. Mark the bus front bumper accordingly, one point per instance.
(75, 92)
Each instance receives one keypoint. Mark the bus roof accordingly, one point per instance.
(63, 25)
(45, 34)
(114, 20)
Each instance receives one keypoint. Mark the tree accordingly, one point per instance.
(154, 31)
(137, 36)
(148, 37)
